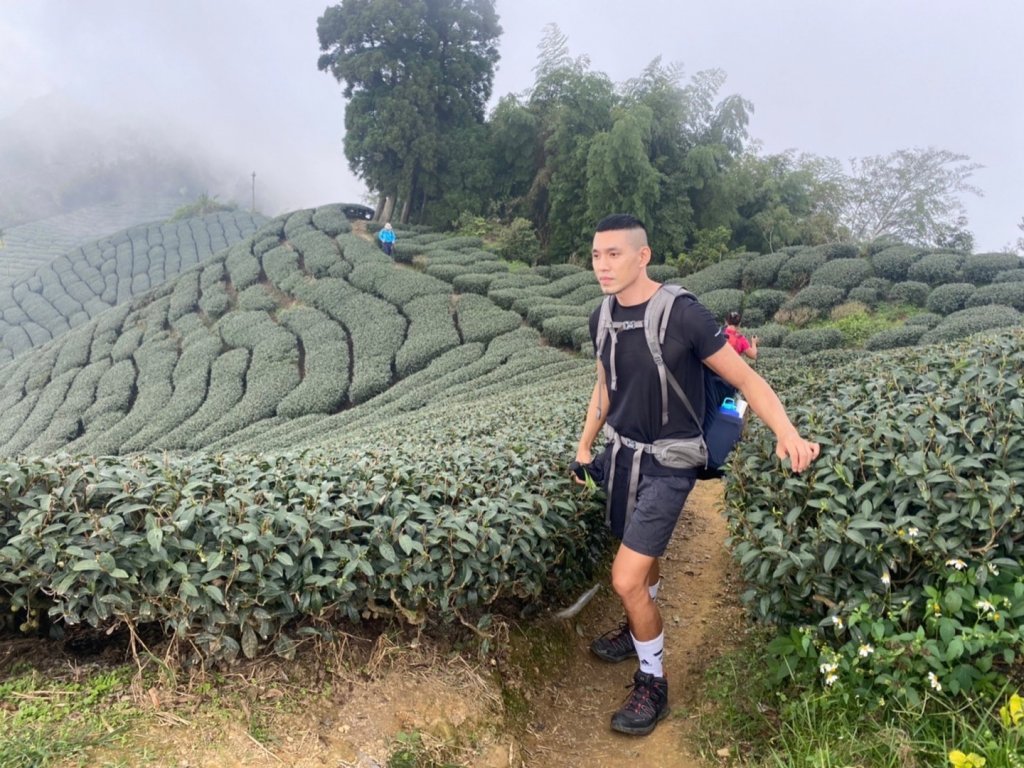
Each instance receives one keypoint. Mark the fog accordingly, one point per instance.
(234, 83)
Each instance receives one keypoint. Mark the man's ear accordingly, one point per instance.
(645, 255)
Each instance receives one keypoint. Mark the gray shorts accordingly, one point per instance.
(659, 502)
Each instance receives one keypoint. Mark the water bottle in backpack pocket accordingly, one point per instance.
(724, 431)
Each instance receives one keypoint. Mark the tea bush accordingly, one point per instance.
(982, 268)
(473, 283)
(842, 273)
(949, 298)
(972, 320)
(71, 288)
(910, 292)
(865, 295)
(480, 320)
(227, 554)
(563, 330)
(894, 263)
(926, 319)
(796, 272)
(761, 271)
(723, 274)
(894, 559)
(890, 338)
(659, 272)
(820, 298)
(330, 220)
(722, 302)
(1009, 276)
(937, 268)
(1007, 294)
(769, 335)
(813, 339)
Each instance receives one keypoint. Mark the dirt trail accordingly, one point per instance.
(701, 613)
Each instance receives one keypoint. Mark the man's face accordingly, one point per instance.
(619, 258)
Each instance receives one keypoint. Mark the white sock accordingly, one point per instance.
(652, 589)
(651, 653)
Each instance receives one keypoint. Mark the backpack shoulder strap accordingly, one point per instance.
(604, 325)
(655, 325)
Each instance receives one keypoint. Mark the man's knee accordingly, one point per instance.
(629, 586)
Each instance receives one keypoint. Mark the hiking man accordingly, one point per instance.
(627, 399)
(387, 239)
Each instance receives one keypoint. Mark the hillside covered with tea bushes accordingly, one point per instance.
(314, 432)
(302, 319)
(69, 289)
(810, 299)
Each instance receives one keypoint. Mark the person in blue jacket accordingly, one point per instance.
(387, 239)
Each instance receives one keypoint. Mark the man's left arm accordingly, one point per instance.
(766, 404)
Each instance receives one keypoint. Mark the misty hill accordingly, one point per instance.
(72, 288)
(28, 246)
(57, 157)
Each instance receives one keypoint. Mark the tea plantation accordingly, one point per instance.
(299, 430)
(32, 245)
(67, 291)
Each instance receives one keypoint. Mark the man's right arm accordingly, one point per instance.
(597, 412)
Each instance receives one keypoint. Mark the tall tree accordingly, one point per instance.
(911, 196)
(620, 175)
(785, 199)
(414, 72)
(572, 104)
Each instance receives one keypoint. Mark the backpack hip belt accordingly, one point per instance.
(676, 453)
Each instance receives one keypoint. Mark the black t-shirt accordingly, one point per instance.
(692, 335)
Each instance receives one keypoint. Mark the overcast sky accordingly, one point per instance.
(842, 79)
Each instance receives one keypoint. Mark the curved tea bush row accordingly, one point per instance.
(77, 286)
(235, 554)
(455, 380)
(905, 536)
(288, 323)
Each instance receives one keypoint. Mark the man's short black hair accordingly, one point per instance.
(619, 221)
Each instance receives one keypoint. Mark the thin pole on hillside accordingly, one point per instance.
(254, 191)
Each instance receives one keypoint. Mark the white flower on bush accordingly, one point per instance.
(913, 532)
(957, 563)
(837, 621)
(828, 669)
(886, 578)
(933, 681)
(993, 569)
(986, 606)
(865, 650)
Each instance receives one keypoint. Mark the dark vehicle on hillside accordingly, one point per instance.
(358, 212)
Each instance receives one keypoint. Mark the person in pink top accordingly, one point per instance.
(739, 342)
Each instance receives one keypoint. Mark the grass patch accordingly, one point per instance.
(857, 323)
(47, 722)
(765, 724)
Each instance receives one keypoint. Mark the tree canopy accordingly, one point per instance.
(575, 146)
(911, 196)
(416, 73)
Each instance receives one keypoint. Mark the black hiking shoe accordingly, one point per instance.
(615, 645)
(645, 707)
